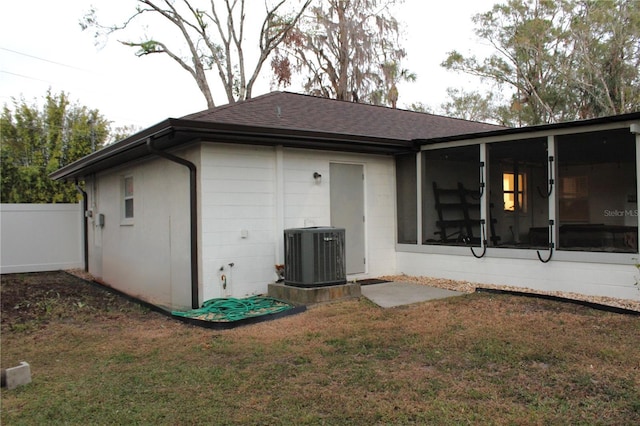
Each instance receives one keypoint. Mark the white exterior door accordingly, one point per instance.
(347, 211)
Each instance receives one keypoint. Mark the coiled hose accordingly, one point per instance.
(231, 309)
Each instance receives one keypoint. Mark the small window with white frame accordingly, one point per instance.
(127, 200)
(513, 189)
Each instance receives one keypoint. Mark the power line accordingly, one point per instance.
(24, 76)
(131, 121)
(44, 60)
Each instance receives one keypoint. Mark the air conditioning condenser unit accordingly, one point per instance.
(314, 257)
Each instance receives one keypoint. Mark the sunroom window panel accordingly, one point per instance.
(406, 194)
(451, 196)
(518, 206)
(597, 192)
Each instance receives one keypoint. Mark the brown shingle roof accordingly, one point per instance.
(308, 122)
(286, 110)
(287, 119)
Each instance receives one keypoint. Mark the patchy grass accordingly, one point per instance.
(478, 358)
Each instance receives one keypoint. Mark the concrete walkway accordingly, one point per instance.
(389, 295)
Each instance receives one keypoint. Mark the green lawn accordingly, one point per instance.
(475, 359)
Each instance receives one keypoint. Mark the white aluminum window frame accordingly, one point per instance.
(127, 198)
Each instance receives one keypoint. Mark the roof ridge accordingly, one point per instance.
(196, 115)
(385, 107)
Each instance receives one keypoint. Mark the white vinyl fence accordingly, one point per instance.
(40, 237)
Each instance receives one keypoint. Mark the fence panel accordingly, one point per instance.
(40, 237)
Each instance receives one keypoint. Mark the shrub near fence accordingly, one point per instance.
(40, 237)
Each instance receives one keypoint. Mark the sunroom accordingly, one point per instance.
(535, 207)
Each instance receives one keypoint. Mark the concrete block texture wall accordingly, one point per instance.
(145, 256)
(582, 277)
(247, 196)
(251, 194)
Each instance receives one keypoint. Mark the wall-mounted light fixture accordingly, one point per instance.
(317, 177)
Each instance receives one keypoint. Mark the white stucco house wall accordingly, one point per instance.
(195, 208)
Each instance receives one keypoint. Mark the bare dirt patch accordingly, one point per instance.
(30, 301)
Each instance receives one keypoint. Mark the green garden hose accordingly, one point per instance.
(231, 309)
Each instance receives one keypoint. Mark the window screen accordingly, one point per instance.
(406, 194)
(451, 196)
(597, 192)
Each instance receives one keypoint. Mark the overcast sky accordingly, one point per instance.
(42, 46)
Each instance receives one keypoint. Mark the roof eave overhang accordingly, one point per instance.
(174, 133)
(630, 117)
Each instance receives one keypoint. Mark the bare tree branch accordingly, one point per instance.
(212, 39)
